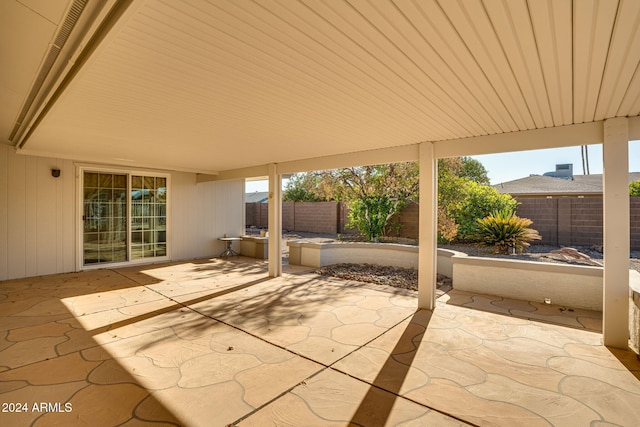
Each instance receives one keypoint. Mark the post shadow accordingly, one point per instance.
(376, 406)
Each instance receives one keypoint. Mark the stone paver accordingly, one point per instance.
(216, 342)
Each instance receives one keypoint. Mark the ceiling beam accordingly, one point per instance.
(250, 172)
(537, 139)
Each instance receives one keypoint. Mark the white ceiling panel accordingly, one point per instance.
(214, 85)
(593, 24)
(622, 59)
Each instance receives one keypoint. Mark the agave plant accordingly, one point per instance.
(505, 231)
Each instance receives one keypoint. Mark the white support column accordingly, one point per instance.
(615, 328)
(428, 219)
(275, 222)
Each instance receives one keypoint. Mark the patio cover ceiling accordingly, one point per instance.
(217, 85)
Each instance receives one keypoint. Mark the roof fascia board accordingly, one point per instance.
(111, 14)
(115, 163)
(536, 139)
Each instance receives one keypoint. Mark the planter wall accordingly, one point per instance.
(254, 247)
(570, 285)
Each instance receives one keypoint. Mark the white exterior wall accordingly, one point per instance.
(200, 213)
(38, 229)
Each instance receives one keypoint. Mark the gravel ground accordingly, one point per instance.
(398, 277)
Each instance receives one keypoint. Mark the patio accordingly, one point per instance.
(216, 342)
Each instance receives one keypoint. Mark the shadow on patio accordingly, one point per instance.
(216, 342)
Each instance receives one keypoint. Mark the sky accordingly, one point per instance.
(510, 166)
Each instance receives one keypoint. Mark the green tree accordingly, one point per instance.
(634, 188)
(373, 193)
(371, 214)
(302, 187)
(376, 193)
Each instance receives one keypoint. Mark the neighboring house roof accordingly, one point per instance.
(256, 197)
(539, 185)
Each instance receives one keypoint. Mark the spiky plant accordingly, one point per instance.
(505, 231)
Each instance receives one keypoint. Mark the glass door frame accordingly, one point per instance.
(80, 171)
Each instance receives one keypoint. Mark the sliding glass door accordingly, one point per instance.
(105, 217)
(124, 217)
(148, 216)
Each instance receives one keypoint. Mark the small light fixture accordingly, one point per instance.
(55, 173)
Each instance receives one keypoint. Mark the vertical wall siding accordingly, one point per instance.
(36, 215)
(203, 212)
(38, 233)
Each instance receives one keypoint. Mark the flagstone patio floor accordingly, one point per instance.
(217, 343)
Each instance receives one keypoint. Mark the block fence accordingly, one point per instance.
(312, 217)
(562, 221)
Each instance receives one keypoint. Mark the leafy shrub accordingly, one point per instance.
(478, 201)
(504, 230)
(447, 227)
(634, 188)
(371, 214)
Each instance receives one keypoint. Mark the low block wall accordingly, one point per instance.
(254, 247)
(634, 310)
(570, 285)
(321, 254)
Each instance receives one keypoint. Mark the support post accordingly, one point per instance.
(615, 327)
(428, 219)
(275, 222)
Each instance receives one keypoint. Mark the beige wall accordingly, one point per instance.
(201, 213)
(37, 228)
(38, 231)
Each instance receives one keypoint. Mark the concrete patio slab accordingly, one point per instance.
(217, 342)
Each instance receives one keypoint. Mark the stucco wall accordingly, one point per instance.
(39, 215)
(570, 285)
(321, 254)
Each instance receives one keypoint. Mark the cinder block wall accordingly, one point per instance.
(409, 220)
(570, 221)
(544, 214)
(316, 217)
(635, 222)
(288, 216)
(313, 217)
(586, 221)
(564, 221)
